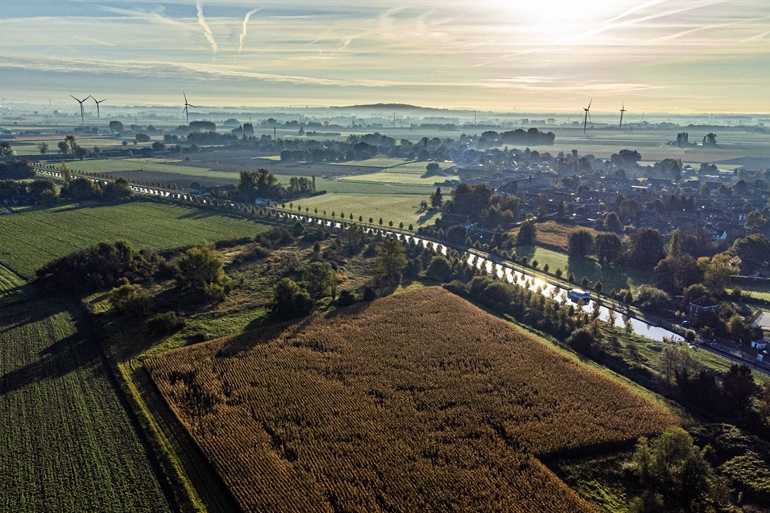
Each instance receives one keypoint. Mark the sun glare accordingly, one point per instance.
(552, 13)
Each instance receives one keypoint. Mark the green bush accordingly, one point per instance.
(164, 323)
(130, 299)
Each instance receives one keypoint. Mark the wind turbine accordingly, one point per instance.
(622, 110)
(98, 115)
(186, 112)
(588, 111)
(82, 112)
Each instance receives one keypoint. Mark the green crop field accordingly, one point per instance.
(411, 173)
(373, 162)
(396, 208)
(67, 444)
(611, 277)
(28, 146)
(10, 282)
(152, 165)
(33, 237)
(361, 186)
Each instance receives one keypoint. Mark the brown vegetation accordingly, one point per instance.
(554, 235)
(415, 402)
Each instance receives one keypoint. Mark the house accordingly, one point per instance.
(763, 321)
(699, 306)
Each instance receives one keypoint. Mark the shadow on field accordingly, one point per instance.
(83, 205)
(199, 214)
(59, 359)
(257, 333)
(427, 216)
(23, 307)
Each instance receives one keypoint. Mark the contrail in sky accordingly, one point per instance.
(206, 29)
(245, 22)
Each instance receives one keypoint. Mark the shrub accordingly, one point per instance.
(290, 300)
(201, 269)
(581, 341)
(439, 269)
(130, 299)
(369, 294)
(652, 298)
(164, 323)
(346, 298)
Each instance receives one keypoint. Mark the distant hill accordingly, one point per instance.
(389, 107)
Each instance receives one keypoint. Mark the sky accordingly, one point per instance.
(676, 56)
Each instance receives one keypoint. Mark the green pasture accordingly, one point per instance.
(397, 208)
(611, 277)
(756, 292)
(68, 444)
(32, 237)
(24, 147)
(399, 178)
(10, 282)
(152, 165)
(373, 162)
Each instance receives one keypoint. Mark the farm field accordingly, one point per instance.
(361, 186)
(373, 162)
(28, 146)
(555, 234)
(160, 166)
(611, 277)
(397, 207)
(10, 282)
(68, 444)
(418, 401)
(51, 233)
(412, 173)
(755, 291)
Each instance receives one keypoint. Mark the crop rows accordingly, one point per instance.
(416, 402)
(10, 282)
(32, 238)
(67, 444)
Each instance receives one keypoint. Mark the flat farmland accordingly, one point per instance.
(399, 208)
(412, 173)
(160, 166)
(68, 444)
(33, 237)
(415, 402)
(29, 145)
(555, 234)
(610, 276)
(10, 282)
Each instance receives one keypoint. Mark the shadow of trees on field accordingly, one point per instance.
(53, 361)
(428, 215)
(526, 251)
(199, 214)
(265, 330)
(611, 277)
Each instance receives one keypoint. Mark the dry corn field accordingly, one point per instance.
(415, 402)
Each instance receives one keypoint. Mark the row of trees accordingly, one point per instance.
(479, 204)
(261, 183)
(607, 247)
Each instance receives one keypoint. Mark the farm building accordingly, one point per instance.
(699, 306)
(763, 321)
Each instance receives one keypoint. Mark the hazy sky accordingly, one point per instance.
(542, 55)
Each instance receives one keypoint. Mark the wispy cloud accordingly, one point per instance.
(517, 51)
(205, 26)
(243, 32)
(103, 43)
